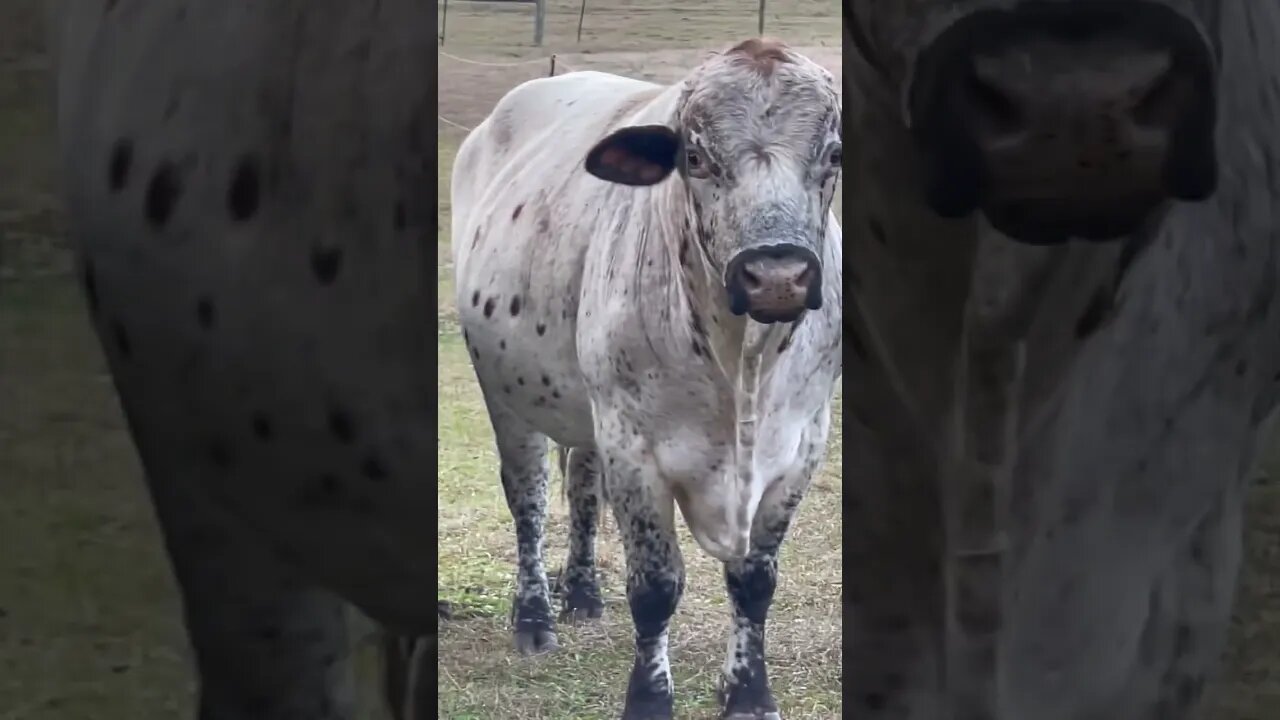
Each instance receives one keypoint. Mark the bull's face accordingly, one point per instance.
(1057, 118)
(756, 148)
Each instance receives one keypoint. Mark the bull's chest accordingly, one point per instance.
(691, 444)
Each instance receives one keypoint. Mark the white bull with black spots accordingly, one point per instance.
(651, 277)
(1048, 442)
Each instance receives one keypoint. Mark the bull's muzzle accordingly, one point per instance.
(1066, 119)
(774, 283)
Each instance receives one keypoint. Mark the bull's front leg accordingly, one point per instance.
(744, 684)
(744, 689)
(644, 511)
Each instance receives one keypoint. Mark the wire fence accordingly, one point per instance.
(447, 121)
(540, 12)
(554, 64)
(483, 63)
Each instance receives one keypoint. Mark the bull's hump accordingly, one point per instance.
(574, 107)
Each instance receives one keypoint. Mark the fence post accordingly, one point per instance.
(539, 20)
(444, 21)
(761, 33)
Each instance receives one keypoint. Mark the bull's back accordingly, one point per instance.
(524, 214)
(535, 139)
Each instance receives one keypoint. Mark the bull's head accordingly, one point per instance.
(755, 142)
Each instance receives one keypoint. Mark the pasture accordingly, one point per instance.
(90, 624)
(480, 674)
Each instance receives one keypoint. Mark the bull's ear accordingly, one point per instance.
(639, 155)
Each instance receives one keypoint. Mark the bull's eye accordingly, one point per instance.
(836, 156)
(696, 165)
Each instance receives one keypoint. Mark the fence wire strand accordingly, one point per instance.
(469, 61)
(447, 121)
(555, 64)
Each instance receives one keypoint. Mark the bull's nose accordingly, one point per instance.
(1090, 110)
(1065, 121)
(775, 283)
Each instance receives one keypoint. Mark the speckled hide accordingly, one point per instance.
(248, 186)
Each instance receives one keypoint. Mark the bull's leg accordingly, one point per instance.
(655, 578)
(266, 647)
(744, 684)
(525, 471)
(744, 688)
(578, 584)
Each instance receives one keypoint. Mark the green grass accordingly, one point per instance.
(89, 617)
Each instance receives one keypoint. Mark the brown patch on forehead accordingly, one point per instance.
(764, 54)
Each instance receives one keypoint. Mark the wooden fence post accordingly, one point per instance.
(539, 21)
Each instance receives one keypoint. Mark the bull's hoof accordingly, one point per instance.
(531, 623)
(536, 641)
(582, 604)
(648, 696)
(752, 700)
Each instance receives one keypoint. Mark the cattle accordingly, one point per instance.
(650, 276)
(1062, 318)
(248, 186)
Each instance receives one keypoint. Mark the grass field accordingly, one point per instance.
(89, 618)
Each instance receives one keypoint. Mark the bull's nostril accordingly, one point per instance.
(802, 280)
(751, 279)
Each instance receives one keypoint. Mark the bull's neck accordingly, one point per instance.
(732, 344)
(912, 274)
(701, 323)
(738, 351)
(946, 310)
